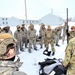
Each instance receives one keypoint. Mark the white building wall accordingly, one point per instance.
(51, 19)
(12, 21)
(3, 21)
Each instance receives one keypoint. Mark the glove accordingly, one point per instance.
(66, 30)
(64, 69)
(68, 34)
(40, 37)
(69, 64)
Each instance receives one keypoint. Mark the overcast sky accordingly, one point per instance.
(36, 8)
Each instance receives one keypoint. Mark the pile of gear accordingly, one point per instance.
(51, 67)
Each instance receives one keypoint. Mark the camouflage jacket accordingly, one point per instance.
(18, 35)
(70, 53)
(42, 32)
(57, 31)
(72, 34)
(24, 33)
(32, 33)
(49, 34)
(10, 68)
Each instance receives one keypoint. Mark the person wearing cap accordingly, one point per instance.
(8, 64)
(18, 36)
(57, 35)
(60, 32)
(42, 34)
(24, 35)
(49, 39)
(64, 31)
(32, 37)
(6, 29)
(71, 32)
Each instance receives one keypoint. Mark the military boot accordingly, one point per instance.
(53, 53)
(29, 51)
(40, 47)
(49, 53)
(22, 50)
(35, 49)
(57, 45)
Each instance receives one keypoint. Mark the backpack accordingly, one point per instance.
(51, 67)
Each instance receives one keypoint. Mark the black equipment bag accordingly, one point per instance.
(58, 69)
(45, 52)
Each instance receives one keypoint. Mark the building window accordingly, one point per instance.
(23, 21)
(27, 21)
(32, 21)
(6, 22)
(3, 22)
(2, 18)
(36, 21)
(6, 18)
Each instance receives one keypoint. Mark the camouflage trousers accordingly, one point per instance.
(71, 70)
(19, 45)
(63, 36)
(24, 40)
(56, 39)
(51, 42)
(42, 41)
(32, 41)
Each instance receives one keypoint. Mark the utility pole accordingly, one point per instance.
(25, 12)
(67, 27)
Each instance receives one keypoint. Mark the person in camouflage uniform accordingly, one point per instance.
(64, 32)
(24, 35)
(6, 29)
(57, 35)
(32, 37)
(18, 36)
(8, 64)
(49, 39)
(72, 32)
(42, 34)
(69, 60)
